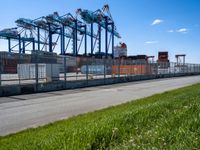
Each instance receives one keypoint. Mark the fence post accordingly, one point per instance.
(170, 69)
(149, 74)
(167, 66)
(1, 68)
(76, 68)
(193, 69)
(65, 74)
(174, 69)
(19, 74)
(36, 72)
(156, 69)
(125, 77)
(131, 69)
(140, 70)
(104, 62)
(96, 65)
(119, 61)
(87, 70)
(147, 67)
(190, 68)
(1, 60)
(198, 68)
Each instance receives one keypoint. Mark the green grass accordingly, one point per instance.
(165, 121)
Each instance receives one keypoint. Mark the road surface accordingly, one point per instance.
(26, 111)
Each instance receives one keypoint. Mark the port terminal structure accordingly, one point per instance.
(47, 32)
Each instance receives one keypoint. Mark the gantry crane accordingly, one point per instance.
(41, 31)
(77, 27)
(103, 21)
(46, 26)
(180, 61)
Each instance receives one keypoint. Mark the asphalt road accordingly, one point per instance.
(26, 111)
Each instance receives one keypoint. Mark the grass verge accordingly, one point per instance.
(170, 120)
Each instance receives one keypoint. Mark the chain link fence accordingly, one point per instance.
(37, 69)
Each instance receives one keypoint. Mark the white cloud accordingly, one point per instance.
(157, 21)
(151, 42)
(170, 31)
(182, 30)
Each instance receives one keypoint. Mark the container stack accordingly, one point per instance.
(120, 50)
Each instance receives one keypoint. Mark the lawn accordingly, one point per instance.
(170, 120)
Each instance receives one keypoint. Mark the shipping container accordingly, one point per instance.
(135, 69)
(50, 72)
(120, 50)
(96, 69)
(163, 56)
(9, 61)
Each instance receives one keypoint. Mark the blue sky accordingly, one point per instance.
(176, 28)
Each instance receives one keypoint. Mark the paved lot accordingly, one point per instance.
(25, 111)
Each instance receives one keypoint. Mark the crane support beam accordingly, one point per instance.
(106, 36)
(50, 38)
(19, 44)
(38, 37)
(9, 45)
(99, 28)
(85, 27)
(113, 40)
(92, 30)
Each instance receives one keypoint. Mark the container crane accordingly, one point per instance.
(14, 34)
(67, 20)
(77, 27)
(41, 31)
(25, 23)
(40, 23)
(29, 25)
(9, 33)
(97, 17)
(103, 21)
(180, 59)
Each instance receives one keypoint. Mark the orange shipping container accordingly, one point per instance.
(131, 69)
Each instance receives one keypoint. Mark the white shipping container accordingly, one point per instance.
(45, 71)
(96, 69)
(119, 51)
